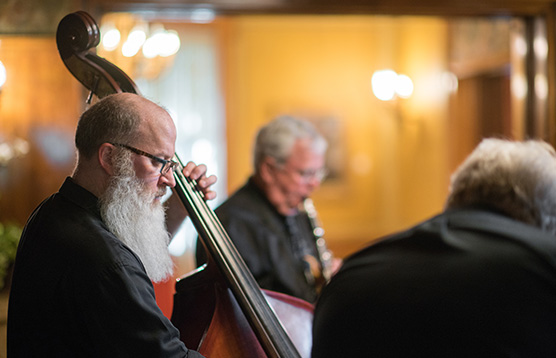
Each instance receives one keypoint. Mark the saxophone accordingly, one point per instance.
(325, 255)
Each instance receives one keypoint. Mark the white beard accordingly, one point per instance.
(132, 214)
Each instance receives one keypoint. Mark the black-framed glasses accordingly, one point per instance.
(167, 165)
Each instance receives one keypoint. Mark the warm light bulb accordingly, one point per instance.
(540, 47)
(520, 46)
(541, 86)
(2, 74)
(137, 36)
(384, 84)
(519, 86)
(404, 86)
(135, 40)
(170, 43)
(111, 39)
(151, 47)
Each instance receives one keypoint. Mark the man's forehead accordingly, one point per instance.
(303, 153)
(157, 133)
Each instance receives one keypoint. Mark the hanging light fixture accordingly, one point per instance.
(140, 47)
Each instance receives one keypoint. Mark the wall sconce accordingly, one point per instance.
(388, 85)
(2, 74)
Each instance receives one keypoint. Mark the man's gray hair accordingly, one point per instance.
(517, 178)
(113, 119)
(277, 138)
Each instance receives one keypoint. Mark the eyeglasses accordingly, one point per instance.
(307, 174)
(167, 165)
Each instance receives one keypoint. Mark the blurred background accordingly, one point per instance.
(403, 91)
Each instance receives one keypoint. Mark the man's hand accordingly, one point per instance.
(198, 173)
(176, 213)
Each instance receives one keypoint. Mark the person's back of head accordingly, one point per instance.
(277, 138)
(517, 178)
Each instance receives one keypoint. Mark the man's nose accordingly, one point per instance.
(168, 179)
(314, 182)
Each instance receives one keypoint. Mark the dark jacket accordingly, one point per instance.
(467, 283)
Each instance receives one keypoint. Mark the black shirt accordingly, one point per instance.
(272, 245)
(467, 283)
(78, 291)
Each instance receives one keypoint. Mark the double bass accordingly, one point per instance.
(219, 308)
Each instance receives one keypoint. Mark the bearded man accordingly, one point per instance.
(82, 283)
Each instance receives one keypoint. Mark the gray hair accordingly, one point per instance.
(113, 119)
(516, 178)
(277, 138)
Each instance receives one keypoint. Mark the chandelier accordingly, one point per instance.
(141, 48)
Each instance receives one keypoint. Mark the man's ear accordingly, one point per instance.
(267, 169)
(105, 154)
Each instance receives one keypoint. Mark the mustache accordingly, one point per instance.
(161, 192)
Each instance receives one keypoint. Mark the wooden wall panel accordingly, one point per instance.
(40, 103)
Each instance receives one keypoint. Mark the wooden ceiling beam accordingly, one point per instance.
(379, 7)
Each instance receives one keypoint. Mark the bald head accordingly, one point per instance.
(121, 117)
